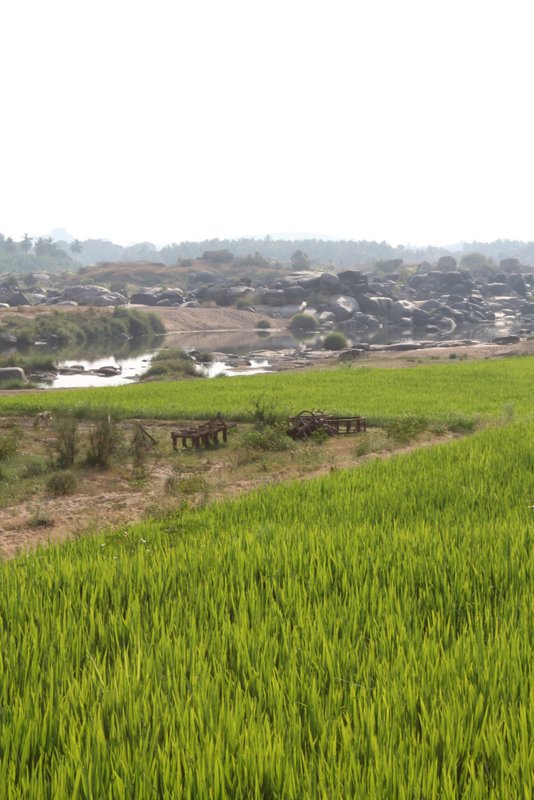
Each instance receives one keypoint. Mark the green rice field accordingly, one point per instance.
(369, 634)
(482, 388)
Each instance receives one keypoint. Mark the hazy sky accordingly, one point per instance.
(168, 120)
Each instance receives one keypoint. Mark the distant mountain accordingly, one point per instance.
(61, 235)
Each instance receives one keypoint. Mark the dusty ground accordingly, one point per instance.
(175, 318)
(209, 319)
(30, 514)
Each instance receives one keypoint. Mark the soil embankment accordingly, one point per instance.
(177, 319)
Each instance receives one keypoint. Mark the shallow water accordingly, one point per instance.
(131, 369)
(135, 362)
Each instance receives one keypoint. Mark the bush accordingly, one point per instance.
(457, 423)
(243, 303)
(264, 413)
(61, 483)
(9, 443)
(104, 439)
(34, 469)
(66, 442)
(303, 322)
(140, 445)
(405, 428)
(263, 324)
(335, 341)
(40, 519)
(172, 361)
(272, 438)
(187, 487)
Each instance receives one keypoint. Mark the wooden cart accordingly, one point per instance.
(206, 433)
(307, 422)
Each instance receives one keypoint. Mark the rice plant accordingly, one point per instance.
(367, 634)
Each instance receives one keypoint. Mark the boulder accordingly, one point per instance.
(90, 295)
(355, 280)
(365, 322)
(109, 299)
(511, 339)
(204, 276)
(12, 374)
(295, 294)
(329, 283)
(143, 298)
(401, 310)
(420, 317)
(391, 264)
(342, 306)
(174, 296)
(285, 312)
(14, 297)
(518, 284)
(219, 295)
(447, 263)
(509, 264)
(274, 297)
(233, 293)
(377, 306)
(326, 317)
(306, 279)
(496, 289)
(353, 354)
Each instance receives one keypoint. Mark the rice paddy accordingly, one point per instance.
(368, 634)
(482, 388)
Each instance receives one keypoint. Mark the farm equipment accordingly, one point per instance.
(206, 433)
(308, 422)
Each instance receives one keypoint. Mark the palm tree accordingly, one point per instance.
(26, 243)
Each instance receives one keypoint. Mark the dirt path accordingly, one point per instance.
(31, 515)
(179, 319)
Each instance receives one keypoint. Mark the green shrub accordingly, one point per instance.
(406, 427)
(243, 303)
(171, 361)
(40, 519)
(192, 484)
(34, 469)
(140, 445)
(263, 324)
(61, 483)
(187, 486)
(335, 341)
(9, 443)
(65, 444)
(458, 423)
(272, 438)
(374, 441)
(13, 384)
(303, 322)
(104, 439)
(264, 413)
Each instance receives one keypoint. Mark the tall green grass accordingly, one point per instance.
(368, 634)
(481, 388)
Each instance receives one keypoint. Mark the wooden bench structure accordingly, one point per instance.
(307, 422)
(206, 433)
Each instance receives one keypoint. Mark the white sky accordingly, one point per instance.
(167, 120)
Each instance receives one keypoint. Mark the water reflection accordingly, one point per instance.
(254, 366)
(133, 359)
(129, 369)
